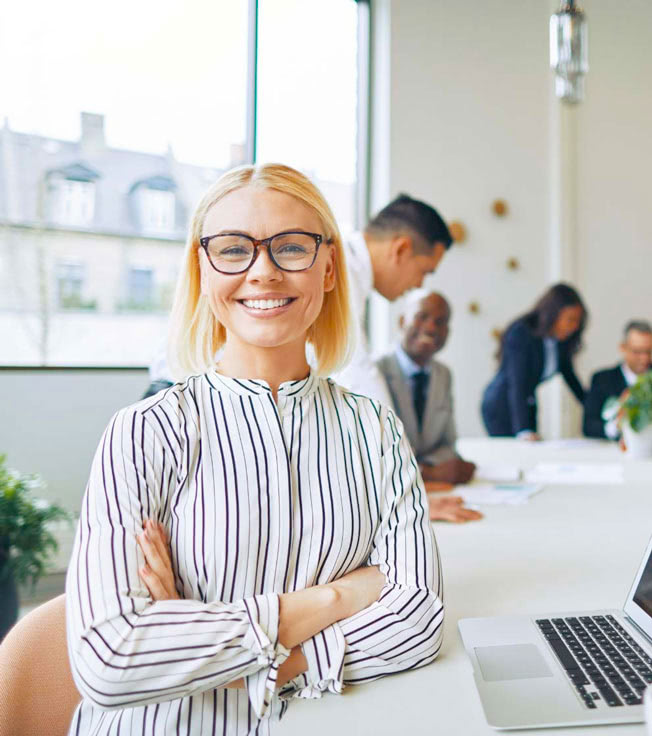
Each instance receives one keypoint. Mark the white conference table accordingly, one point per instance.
(568, 548)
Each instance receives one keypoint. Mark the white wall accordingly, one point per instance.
(613, 170)
(473, 118)
(52, 421)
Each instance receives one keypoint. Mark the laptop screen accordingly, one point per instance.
(638, 605)
(643, 591)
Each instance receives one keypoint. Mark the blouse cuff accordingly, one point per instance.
(262, 640)
(324, 653)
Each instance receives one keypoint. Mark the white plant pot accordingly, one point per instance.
(638, 444)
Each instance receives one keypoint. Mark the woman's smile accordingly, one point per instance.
(266, 305)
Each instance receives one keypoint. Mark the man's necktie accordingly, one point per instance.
(419, 392)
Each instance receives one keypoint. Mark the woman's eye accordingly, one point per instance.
(291, 249)
(234, 252)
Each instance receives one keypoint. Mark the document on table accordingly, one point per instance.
(497, 473)
(576, 474)
(571, 443)
(512, 494)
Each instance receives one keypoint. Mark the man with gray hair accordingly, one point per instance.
(636, 349)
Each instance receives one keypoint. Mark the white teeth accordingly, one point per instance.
(265, 303)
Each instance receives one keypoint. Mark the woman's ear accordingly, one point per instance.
(329, 273)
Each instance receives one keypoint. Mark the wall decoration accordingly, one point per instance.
(457, 231)
(499, 207)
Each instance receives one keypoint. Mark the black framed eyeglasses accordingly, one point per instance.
(232, 253)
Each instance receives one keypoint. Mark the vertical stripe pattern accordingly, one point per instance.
(259, 497)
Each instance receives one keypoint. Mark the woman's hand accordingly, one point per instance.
(157, 573)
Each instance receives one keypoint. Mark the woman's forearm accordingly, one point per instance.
(305, 613)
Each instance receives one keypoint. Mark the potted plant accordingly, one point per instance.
(26, 541)
(633, 411)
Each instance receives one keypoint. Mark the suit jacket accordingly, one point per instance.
(435, 443)
(604, 384)
(509, 405)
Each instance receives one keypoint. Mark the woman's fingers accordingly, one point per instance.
(158, 560)
(158, 538)
(157, 573)
(156, 588)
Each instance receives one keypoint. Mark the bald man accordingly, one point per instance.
(420, 388)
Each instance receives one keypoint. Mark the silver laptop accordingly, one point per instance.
(565, 669)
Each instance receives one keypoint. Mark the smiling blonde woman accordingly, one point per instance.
(300, 546)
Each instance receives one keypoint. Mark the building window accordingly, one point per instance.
(73, 202)
(157, 210)
(140, 288)
(70, 285)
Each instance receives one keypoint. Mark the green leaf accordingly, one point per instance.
(26, 540)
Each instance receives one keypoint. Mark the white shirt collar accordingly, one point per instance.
(628, 373)
(408, 367)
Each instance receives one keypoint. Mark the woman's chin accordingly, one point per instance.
(266, 340)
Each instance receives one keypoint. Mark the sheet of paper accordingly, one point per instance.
(512, 494)
(576, 474)
(570, 443)
(497, 473)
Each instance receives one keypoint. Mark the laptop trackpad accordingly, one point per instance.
(511, 662)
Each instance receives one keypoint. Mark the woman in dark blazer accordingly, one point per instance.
(533, 348)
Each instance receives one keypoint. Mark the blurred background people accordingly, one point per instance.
(636, 351)
(533, 348)
(398, 248)
(421, 391)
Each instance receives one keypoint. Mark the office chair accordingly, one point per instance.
(37, 694)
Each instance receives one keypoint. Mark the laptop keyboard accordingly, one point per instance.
(601, 659)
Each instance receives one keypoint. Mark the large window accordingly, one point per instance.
(307, 94)
(114, 126)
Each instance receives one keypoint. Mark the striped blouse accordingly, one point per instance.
(259, 498)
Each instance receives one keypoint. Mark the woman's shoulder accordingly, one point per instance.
(519, 332)
(172, 403)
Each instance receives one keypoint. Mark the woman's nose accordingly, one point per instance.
(263, 268)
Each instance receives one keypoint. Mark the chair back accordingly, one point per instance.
(38, 696)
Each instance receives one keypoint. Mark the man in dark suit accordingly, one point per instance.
(636, 349)
(420, 388)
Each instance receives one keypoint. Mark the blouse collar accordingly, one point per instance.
(258, 387)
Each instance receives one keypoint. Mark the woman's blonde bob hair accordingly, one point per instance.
(196, 335)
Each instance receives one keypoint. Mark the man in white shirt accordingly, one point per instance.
(403, 243)
(636, 349)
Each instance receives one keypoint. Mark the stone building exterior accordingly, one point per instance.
(91, 239)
